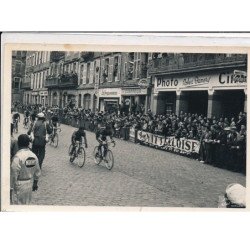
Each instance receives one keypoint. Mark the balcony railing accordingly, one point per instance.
(161, 65)
(51, 81)
(61, 81)
(26, 84)
(42, 66)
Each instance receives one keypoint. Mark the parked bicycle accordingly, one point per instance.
(77, 152)
(103, 153)
(54, 137)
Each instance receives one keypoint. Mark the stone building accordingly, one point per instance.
(208, 84)
(17, 74)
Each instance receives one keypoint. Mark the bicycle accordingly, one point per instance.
(78, 153)
(26, 122)
(108, 159)
(54, 137)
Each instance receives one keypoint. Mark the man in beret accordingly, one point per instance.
(25, 172)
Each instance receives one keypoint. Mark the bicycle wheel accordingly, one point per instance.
(96, 155)
(109, 160)
(81, 157)
(70, 149)
(55, 140)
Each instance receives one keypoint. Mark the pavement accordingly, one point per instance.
(141, 176)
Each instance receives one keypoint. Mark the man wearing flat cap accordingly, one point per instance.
(25, 172)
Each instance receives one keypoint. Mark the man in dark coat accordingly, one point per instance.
(40, 129)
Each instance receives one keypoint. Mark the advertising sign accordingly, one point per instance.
(110, 92)
(134, 91)
(233, 78)
(181, 145)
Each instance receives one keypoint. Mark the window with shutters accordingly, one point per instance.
(137, 65)
(105, 72)
(102, 70)
(88, 73)
(18, 54)
(97, 71)
(130, 66)
(18, 67)
(144, 65)
(111, 69)
(32, 81)
(16, 82)
(84, 75)
(81, 74)
(91, 77)
(116, 68)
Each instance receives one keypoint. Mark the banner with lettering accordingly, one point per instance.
(170, 143)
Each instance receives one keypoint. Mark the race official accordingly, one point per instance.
(25, 172)
(40, 129)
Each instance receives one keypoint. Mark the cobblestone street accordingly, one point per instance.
(141, 176)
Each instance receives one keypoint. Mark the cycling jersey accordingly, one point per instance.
(77, 135)
(103, 133)
(26, 113)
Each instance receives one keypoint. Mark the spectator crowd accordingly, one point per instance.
(222, 139)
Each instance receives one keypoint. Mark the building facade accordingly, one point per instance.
(36, 71)
(207, 84)
(98, 80)
(18, 71)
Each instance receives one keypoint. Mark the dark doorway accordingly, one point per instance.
(232, 102)
(197, 102)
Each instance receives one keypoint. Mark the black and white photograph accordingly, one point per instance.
(128, 129)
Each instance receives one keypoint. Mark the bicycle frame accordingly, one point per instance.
(105, 145)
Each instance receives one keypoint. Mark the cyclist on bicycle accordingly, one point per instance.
(26, 117)
(77, 137)
(102, 133)
(16, 119)
(54, 119)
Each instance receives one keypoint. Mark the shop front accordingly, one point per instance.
(43, 96)
(211, 93)
(69, 98)
(134, 99)
(34, 97)
(109, 99)
(27, 97)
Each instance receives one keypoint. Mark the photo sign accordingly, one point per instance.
(215, 80)
(181, 145)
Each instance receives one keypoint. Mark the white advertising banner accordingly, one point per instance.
(182, 145)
